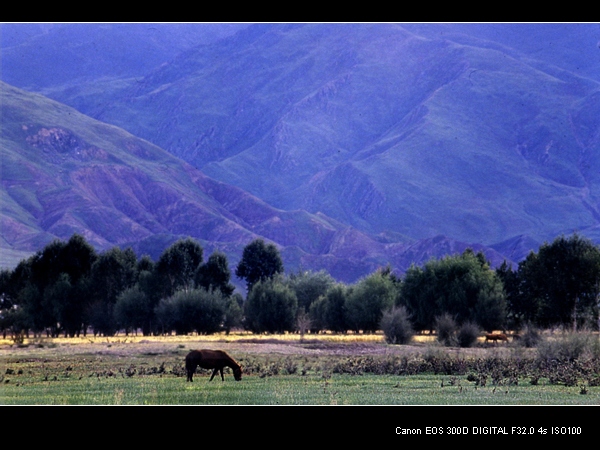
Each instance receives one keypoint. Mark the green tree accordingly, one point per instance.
(334, 309)
(77, 258)
(520, 309)
(309, 286)
(132, 310)
(418, 294)
(145, 264)
(13, 317)
(260, 261)
(113, 272)
(26, 296)
(193, 310)
(562, 281)
(213, 308)
(7, 300)
(150, 284)
(270, 307)
(39, 279)
(490, 308)
(233, 312)
(367, 301)
(328, 312)
(215, 274)
(463, 286)
(316, 315)
(178, 264)
(59, 298)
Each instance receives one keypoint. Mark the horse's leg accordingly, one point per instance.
(222, 377)
(213, 374)
(190, 373)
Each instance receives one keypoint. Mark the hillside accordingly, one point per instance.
(73, 54)
(384, 127)
(349, 145)
(65, 173)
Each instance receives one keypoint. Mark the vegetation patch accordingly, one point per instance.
(286, 372)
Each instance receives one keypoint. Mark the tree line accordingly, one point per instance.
(67, 287)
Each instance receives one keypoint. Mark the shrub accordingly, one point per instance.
(271, 307)
(460, 285)
(445, 326)
(329, 311)
(530, 337)
(396, 325)
(133, 310)
(233, 312)
(189, 310)
(467, 334)
(367, 301)
(569, 346)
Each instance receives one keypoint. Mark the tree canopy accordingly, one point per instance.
(179, 263)
(368, 300)
(68, 287)
(215, 274)
(463, 286)
(271, 307)
(562, 281)
(260, 261)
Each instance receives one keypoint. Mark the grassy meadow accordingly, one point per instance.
(281, 370)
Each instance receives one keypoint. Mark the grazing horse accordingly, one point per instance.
(496, 337)
(211, 359)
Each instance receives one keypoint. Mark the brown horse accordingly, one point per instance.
(211, 359)
(496, 337)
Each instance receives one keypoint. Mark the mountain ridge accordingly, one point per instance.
(65, 173)
(467, 129)
(378, 136)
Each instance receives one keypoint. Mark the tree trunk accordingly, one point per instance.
(575, 315)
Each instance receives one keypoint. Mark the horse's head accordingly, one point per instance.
(237, 373)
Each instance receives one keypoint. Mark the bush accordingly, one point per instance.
(569, 346)
(328, 312)
(367, 301)
(233, 312)
(271, 307)
(133, 310)
(530, 337)
(445, 327)
(396, 326)
(467, 334)
(192, 310)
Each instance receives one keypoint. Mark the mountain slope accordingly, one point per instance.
(64, 173)
(73, 54)
(381, 128)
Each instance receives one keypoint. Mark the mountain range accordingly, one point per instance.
(351, 146)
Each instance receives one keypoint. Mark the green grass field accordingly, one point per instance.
(287, 390)
(277, 371)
